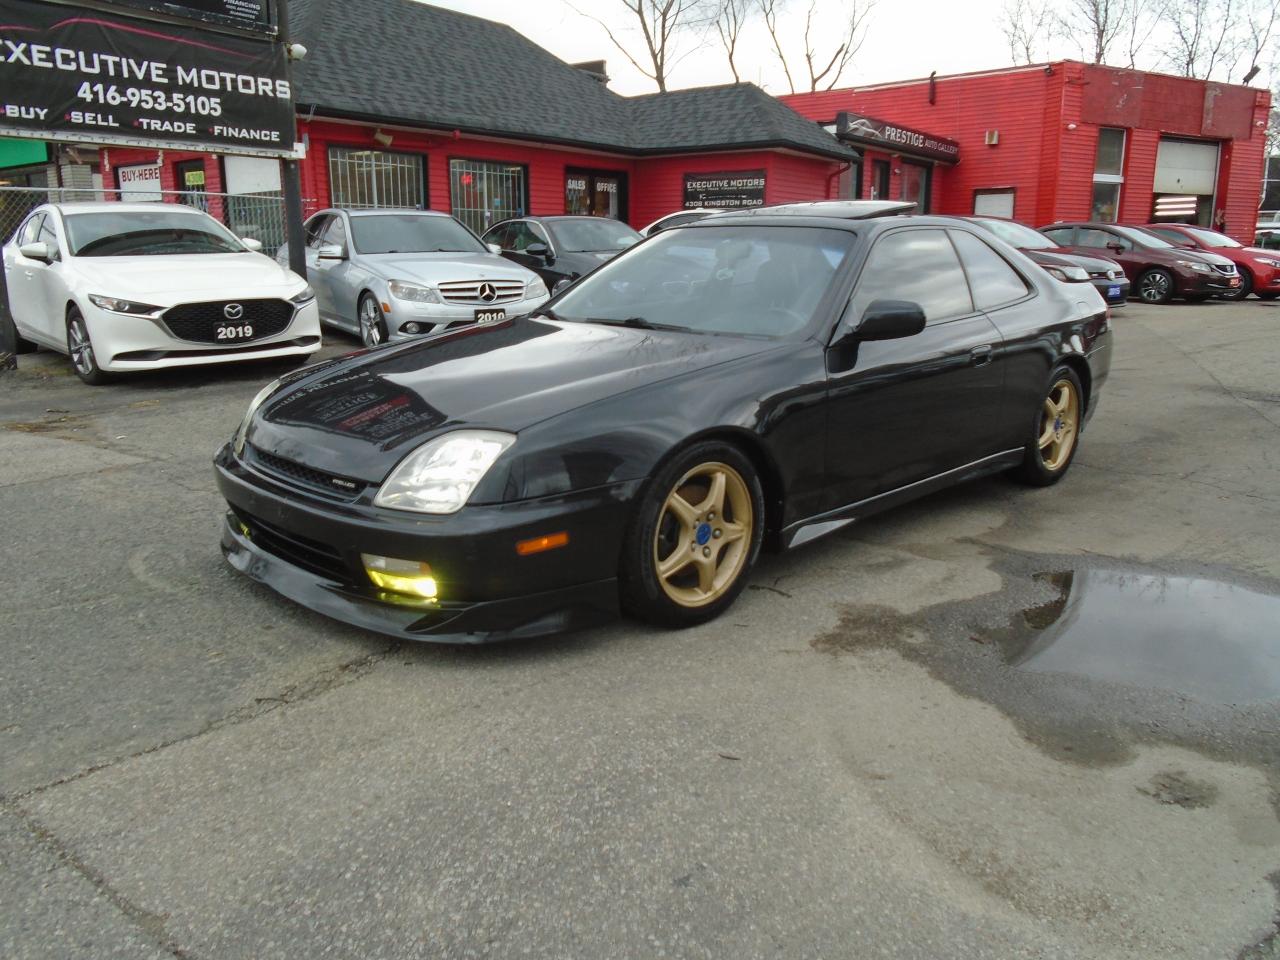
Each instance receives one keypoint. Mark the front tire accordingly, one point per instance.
(373, 325)
(694, 538)
(1155, 286)
(1055, 433)
(80, 349)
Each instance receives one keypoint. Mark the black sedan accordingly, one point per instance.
(561, 249)
(1107, 275)
(742, 382)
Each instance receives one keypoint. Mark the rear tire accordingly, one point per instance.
(694, 537)
(1155, 286)
(80, 348)
(1055, 431)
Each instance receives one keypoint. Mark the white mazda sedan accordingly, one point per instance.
(142, 286)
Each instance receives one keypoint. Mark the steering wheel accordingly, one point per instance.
(796, 320)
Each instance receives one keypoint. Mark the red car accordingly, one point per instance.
(1259, 268)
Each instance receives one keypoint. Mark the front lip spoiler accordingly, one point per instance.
(516, 618)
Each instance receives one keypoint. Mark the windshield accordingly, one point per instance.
(412, 233)
(1016, 235)
(147, 234)
(730, 280)
(1212, 238)
(591, 235)
(1142, 238)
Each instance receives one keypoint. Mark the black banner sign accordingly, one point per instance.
(91, 77)
(871, 132)
(253, 15)
(737, 188)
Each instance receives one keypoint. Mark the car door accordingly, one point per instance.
(517, 240)
(327, 272)
(53, 294)
(1097, 242)
(901, 411)
(26, 289)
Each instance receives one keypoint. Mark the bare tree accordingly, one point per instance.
(1144, 17)
(730, 18)
(1261, 20)
(1093, 25)
(1206, 36)
(1026, 25)
(824, 71)
(661, 24)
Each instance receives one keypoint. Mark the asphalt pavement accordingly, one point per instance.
(868, 756)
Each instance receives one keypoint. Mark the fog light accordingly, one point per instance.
(408, 578)
(412, 328)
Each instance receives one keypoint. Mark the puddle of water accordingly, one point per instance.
(1213, 641)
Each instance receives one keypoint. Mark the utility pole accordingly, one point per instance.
(290, 173)
(8, 332)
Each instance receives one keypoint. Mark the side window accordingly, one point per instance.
(917, 265)
(30, 230)
(539, 235)
(49, 235)
(521, 236)
(315, 230)
(501, 235)
(1173, 236)
(1060, 235)
(336, 232)
(1099, 239)
(993, 282)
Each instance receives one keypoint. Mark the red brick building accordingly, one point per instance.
(1057, 141)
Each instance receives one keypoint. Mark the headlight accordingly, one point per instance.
(116, 305)
(242, 434)
(1196, 266)
(536, 288)
(440, 476)
(1268, 262)
(413, 292)
(304, 296)
(1068, 274)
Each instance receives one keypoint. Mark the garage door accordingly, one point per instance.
(1186, 167)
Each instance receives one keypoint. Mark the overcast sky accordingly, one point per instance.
(905, 39)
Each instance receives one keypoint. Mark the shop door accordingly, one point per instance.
(1186, 178)
(589, 193)
(190, 177)
(916, 180)
(879, 179)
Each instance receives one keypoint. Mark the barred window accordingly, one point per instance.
(368, 179)
(485, 193)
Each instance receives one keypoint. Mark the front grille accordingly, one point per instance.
(198, 322)
(299, 474)
(317, 558)
(468, 291)
(1229, 269)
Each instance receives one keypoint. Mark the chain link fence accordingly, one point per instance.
(257, 215)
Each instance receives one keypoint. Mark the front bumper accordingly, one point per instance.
(1207, 284)
(1114, 292)
(124, 343)
(438, 317)
(307, 549)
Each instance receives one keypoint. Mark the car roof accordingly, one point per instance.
(399, 211)
(115, 206)
(834, 209)
(851, 224)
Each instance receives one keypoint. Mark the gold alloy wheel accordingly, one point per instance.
(1059, 425)
(704, 535)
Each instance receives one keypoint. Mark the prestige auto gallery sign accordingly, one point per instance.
(74, 74)
(738, 188)
(871, 132)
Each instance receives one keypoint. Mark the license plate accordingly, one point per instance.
(490, 316)
(1113, 291)
(1233, 282)
(233, 332)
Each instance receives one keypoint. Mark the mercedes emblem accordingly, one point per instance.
(488, 292)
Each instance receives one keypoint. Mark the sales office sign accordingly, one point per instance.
(91, 77)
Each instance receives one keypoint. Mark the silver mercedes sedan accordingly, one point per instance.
(388, 275)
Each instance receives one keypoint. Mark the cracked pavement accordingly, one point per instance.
(192, 767)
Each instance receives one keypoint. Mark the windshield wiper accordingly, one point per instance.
(548, 313)
(636, 323)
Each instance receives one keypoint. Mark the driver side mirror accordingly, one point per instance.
(252, 244)
(494, 248)
(331, 251)
(1115, 246)
(36, 251)
(888, 320)
(538, 250)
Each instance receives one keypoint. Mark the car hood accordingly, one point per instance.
(1259, 252)
(1063, 259)
(166, 281)
(443, 267)
(359, 417)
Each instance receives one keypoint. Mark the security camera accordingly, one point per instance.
(295, 51)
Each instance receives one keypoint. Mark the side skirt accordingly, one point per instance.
(805, 531)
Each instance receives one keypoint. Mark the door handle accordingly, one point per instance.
(980, 356)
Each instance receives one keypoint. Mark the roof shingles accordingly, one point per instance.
(401, 60)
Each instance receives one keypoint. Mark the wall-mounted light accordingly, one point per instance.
(1072, 126)
(295, 51)
(385, 139)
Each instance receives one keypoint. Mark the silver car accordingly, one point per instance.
(388, 275)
